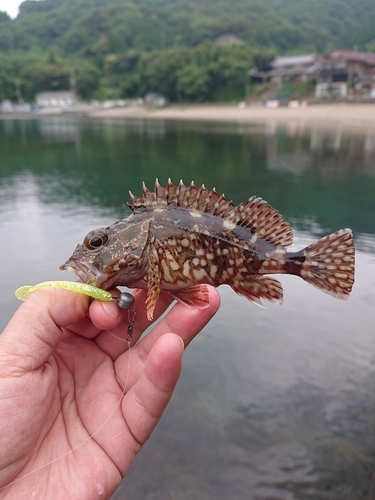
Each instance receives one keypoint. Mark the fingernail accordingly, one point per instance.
(111, 309)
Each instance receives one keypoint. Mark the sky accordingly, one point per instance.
(10, 6)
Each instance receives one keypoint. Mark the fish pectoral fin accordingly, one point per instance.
(153, 281)
(194, 296)
(259, 287)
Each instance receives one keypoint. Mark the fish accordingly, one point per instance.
(179, 239)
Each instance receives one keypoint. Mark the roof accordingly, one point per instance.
(293, 60)
(351, 55)
(284, 71)
(310, 70)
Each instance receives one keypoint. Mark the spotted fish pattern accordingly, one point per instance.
(180, 238)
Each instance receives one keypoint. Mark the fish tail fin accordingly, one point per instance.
(329, 264)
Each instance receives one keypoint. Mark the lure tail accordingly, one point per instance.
(329, 264)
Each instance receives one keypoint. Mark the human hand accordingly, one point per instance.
(65, 430)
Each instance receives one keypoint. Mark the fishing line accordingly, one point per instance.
(117, 337)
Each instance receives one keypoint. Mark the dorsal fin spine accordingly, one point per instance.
(157, 189)
(200, 198)
(144, 190)
(169, 189)
(178, 193)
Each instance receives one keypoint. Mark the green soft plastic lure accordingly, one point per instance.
(91, 291)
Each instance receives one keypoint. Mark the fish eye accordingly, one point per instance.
(96, 239)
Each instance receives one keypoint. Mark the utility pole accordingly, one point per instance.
(17, 84)
(72, 80)
(11, 39)
(163, 40)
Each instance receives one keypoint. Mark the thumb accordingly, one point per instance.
(37, 327)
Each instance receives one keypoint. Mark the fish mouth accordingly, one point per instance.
(86, 272)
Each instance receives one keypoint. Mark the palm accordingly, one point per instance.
(77, 430)
(85, 395)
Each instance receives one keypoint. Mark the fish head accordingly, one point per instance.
(112, 256)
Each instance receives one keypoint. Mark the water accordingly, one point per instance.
(275, 403)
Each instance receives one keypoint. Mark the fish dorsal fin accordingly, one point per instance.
(192, 197)
(264, 221)
(256, 214)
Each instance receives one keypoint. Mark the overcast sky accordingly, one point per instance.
(10, 6)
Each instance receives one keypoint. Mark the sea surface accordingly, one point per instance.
(273, 404)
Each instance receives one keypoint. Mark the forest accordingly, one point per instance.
(124, 49)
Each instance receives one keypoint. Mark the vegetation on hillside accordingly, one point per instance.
(123, 48)
(330, 24)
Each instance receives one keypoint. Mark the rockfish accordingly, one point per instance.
(180, 238)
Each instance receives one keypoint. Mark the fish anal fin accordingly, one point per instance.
(329, 264)
(259, 287)
(194, 296)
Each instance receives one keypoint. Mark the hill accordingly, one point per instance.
(331, 24)
(121, 48)
(102, 26)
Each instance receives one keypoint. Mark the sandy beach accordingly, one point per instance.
(353, 116)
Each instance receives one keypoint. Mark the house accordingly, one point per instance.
(345, 69)
(56, 98)
(287, 68)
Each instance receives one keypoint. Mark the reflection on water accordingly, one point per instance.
(333, 155)
(339, 142)
(272, 404)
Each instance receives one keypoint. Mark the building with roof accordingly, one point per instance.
(344, 69)
(287, 68)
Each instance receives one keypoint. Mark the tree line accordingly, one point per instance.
(207, 72)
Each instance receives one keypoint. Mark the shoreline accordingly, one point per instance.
(351, 116)
(343, 116)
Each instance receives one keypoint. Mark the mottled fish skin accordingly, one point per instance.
(180, 238)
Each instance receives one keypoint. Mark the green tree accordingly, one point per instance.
(43, 76)
(133, 85)
(4, 18)
(160, 69)
(7, 87)
(10, 67)
(87, 78)
(193, 82)
(228, 70)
